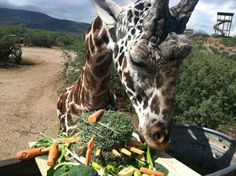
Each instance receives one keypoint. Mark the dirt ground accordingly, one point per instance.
(28, 100)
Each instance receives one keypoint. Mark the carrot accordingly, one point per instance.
(89, 151)
(150, 171)
(134, 143)
(53, 154)
(135, 150)
(70, 140)
(95, 116)
(30, 153)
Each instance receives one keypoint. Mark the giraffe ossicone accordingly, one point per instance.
(147, 49)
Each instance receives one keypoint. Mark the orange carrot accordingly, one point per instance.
(70, 140)
(135, 150)
(30, 153)
(89, 151)
(95, 116)
(53, 154)
(151, 172)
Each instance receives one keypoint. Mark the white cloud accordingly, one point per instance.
(17, 2)
(205, 15)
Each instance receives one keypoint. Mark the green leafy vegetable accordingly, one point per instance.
(149, 158)
(161, 168)
(82, 170)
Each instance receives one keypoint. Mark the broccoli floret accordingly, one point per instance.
(82, 170)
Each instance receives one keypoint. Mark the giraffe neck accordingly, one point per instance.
(91, 91)
(93, 84)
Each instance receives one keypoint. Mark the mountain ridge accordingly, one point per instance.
(38, 20)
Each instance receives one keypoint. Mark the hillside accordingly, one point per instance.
(38, 20)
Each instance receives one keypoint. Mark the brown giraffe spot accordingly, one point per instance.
(116, 50)
(87, 43)
(160, 80)
(104, 83)
(104, 66)
(121, 58)
(129, 81)
(112, 32)
(145, 103)
(97, 24)
(104, 36)
(61, 105)
(88, 79)
(155, 105)
(168, 91)
(77, 90)
(72, 109)
(166, 113)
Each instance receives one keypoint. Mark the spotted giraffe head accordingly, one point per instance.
(147, 53)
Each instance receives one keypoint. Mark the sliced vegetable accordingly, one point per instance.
(150, 171)
(116, 153)
(96, 166)
(53, 154)
(95, 116)
(89, 151)
(128, 171)
(136, 150)
(125, 151)
(30, 153)
(137, 172)
(98, 153)
(70, 140)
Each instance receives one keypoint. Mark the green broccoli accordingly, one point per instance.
(82, 170)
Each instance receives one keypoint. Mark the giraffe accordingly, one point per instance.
(147, 47)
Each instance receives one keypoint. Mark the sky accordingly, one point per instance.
(202, 19)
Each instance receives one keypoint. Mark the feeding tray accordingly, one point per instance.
(192, 151)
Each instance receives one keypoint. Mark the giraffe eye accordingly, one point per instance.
(138, 63)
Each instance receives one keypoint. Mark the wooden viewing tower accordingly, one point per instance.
(223, 24)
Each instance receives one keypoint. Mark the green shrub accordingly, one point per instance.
(214, 50)
(7, 43)
(233, 57)
(206, 90)
(229, 42)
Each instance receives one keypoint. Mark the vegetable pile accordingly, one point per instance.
(101, 145)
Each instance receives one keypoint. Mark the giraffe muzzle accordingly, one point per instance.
(156, 134)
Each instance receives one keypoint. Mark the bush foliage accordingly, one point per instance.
(34, 37)
(10, 50)
(206, 90)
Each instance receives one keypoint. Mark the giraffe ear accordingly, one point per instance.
(107, 10)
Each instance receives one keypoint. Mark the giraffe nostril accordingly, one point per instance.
(159, 136)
